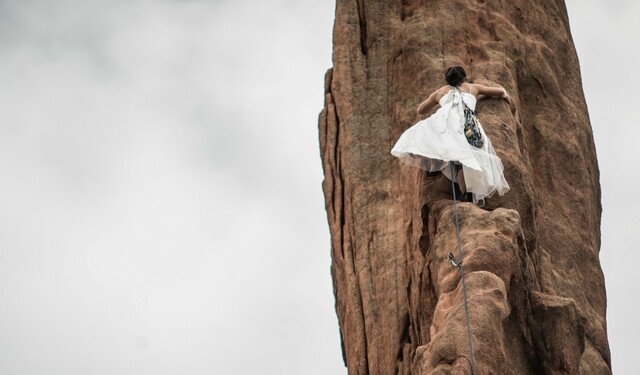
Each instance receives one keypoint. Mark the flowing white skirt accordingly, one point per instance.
(433, 143)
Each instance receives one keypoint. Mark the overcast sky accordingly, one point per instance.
(160, 184)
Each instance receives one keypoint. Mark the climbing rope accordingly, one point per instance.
(459, 265)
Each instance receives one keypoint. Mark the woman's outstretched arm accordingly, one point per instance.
(496, 91)
(427, 105)
(431, 102)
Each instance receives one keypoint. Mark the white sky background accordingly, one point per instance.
(160, 188)
(161, 208)
(605, 35)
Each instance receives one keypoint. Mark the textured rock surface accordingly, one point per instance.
(536, 291)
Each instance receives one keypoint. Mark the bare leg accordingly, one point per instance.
(463, 188)
(460, 180)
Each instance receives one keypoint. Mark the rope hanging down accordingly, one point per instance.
(459, 265)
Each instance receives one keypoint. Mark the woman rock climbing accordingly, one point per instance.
(447, 141)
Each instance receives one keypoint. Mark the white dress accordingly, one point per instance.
(434, 142)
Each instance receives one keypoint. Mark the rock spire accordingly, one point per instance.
(536, 290)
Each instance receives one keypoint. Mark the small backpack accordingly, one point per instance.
(471, 128)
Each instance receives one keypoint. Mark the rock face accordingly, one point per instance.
(535, 287)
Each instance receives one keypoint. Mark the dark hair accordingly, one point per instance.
(455, 75)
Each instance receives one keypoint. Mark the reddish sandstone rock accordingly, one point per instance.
(536, 291)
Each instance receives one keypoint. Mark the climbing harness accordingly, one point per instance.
(458, 264)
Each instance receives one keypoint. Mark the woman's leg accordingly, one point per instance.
(460, 181)
(469, 197)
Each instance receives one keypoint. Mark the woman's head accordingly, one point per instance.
(455, 75)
